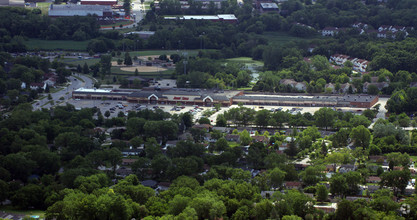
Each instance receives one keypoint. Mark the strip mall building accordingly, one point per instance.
(204, 97)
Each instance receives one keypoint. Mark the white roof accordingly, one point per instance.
(80, 10)
(227, 16)
(206, 17)
(93, 90)
(269, 5)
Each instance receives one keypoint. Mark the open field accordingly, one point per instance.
(245, 60)
(281, 38)
(43, 6)
(33, 44)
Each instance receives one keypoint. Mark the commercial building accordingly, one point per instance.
(99, 2)
(204, 97)
(230, 18)
(354, 101)
(102, 11)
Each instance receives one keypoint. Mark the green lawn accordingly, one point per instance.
(33, 44)
(246, 60)
(281, 38)
(43, 6)
(75, 62)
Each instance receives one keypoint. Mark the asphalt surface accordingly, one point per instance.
(65, 92)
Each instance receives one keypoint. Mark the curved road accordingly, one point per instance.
(66, 92)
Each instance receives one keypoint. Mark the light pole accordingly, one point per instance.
(201, 40)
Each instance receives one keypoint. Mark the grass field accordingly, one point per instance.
(245, 60)
(33, 44)
(75, 62)
(43, 6)
(280, 38)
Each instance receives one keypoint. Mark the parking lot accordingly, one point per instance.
(123, 106)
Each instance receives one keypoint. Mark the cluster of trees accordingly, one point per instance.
(202, 72)
(35, 145)
(323, 118)
(15, 71)
(17, 23)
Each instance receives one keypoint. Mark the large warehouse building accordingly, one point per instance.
(80, 10)
(99, 2)
(204, 97)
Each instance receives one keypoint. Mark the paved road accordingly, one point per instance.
(66, 92)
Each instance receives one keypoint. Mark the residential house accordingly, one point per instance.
(330, 87)
(131, 152)
(339, 59)
(344, 88)
(300, 86)
(150, 183)
(259, 138)
(373, 179)
(379, 85)
(293, 185)
(36, 86)
(373, 188)
(360, 25)
(268, 7)
(345, 168)
(330, 31)
(128, 161)
(206, 127)
(124, 171)
(162, 186)
(172, 143)
(233, 137)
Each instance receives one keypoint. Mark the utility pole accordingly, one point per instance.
(185, 61)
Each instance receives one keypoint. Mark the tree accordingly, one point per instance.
(321, 193)
(221, 120)
(245, 138)
(126, 7)
(324, 117)
(396, 179)
(107, 114)
(128, 60)
(338, 185)
(361, 136)
(86, 70)
(276, 177)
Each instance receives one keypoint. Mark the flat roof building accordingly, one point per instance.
(231, 18)
(268, 7)
(208, 97)
(98, 2)
(79, 10)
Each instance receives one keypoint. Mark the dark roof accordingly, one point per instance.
(149, 183)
